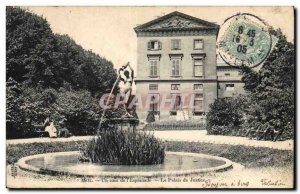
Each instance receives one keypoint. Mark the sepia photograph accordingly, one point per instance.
(150, 97)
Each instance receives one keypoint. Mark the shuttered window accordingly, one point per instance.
(154, 45)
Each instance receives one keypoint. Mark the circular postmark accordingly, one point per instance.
(244, 40)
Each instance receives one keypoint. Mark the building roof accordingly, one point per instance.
(176, 20)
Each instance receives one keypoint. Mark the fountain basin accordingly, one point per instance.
(176, 163)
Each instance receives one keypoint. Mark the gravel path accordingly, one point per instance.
(186, 136)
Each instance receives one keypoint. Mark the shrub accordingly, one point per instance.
(150, 117)
(15, 121)
(175, 125)
(224, 116)
(75, 110)
(125, 147)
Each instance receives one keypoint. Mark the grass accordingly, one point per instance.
(250, 157)
(15, 152)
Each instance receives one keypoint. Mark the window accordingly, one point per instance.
(154, 45)
(175, 44)
(175, 67)
(175, 86)
(229, 87)
(198, 44)
(198, 67)
(227, 74)
(153, 67)
(177, 103)
(198, 102)
(154, 101)
(198, 86)
(153, 86)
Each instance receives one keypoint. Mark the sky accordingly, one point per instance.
(108, 31)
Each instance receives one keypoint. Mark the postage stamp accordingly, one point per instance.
(150, 97)
(245, 40)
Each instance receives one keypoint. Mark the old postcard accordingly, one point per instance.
(150, 97)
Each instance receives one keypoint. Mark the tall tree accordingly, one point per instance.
(272, 88)
(30, 53)
(45, 69)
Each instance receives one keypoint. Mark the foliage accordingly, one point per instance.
(272, 95)
(37, 104)
(150, 117)
(15, 121)
(84, 69)
(39, 64)
(37, 56)
(250, 78)
(71, 109)
(126, 147)
(225, 116)
(76, 111)
(30, 49)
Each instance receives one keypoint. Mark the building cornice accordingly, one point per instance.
(146, 26)
(230, 80)
(177, 32)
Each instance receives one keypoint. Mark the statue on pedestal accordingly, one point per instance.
(126, 76)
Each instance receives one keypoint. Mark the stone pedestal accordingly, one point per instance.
(126, 123)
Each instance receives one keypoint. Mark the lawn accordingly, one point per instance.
(250, 157)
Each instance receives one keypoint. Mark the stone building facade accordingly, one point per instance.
(177, 61)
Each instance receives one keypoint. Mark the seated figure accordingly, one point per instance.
(51, 130)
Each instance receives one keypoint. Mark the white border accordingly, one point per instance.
(3, 3)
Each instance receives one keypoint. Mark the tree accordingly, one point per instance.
(30, 49)
(46, 71)
(250, 79)
(272, 93)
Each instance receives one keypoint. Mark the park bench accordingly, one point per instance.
(40, 131)
(265, 132)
